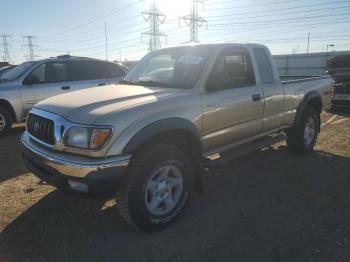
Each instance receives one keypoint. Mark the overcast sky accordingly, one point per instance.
(77, 26)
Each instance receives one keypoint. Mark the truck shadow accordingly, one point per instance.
(10, 158)
(268, 206)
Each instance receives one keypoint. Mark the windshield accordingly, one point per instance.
(177, 67)
(16, 72)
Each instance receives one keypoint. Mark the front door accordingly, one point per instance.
(233, 104)
(46, 80)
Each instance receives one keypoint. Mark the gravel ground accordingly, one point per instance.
(270, 205)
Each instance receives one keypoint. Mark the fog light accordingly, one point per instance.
(78, 186)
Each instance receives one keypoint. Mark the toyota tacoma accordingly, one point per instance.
(148, 139)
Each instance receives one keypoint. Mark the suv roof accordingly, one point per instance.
(69, 58)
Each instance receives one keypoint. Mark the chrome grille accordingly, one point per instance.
(41, 128)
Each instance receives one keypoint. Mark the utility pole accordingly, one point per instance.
(330, 45)
(106, 42)
(308, 43)
(5, 46)
(155, 18)
(194, 21)
(29, 39)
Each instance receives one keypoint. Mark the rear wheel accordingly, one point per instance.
(302, 138)
(5, 121)
(156, 188)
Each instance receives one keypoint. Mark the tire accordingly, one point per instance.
(157, 175)
(5, 121)
(302, 138)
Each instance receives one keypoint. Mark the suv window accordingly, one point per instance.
(233, 69)
(90, 70)
(51, 72)
(82, 70)
(264, 65)
(113, 71)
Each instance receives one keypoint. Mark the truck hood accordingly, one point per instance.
(87, 105)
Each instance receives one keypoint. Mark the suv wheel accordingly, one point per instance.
(303, 138)
(156, 188)
(5, 121)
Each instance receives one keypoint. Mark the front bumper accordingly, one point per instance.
(96, 177)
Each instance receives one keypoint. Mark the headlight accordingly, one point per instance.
(86, 137)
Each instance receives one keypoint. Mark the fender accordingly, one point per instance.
(160, 126)
(303, 104)
(5, 103)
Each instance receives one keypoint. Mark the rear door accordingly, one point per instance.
(46, 80)
(233, 103)
(274, 109)
(86, 73)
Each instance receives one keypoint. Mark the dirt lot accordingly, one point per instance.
(267, 206)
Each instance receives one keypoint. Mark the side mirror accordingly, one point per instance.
(31, 80)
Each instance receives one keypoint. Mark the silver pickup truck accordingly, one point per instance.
(25, 85)
(147, 139)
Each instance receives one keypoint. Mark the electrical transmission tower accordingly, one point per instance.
(194, 21)
(155, 18)
(29, 39)
(5, 46)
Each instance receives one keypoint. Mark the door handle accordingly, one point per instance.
(101, 84)
(256, 97)
(65, 87)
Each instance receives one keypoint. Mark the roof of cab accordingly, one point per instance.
(219, 45)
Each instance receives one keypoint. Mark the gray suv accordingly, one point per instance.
(25, 85)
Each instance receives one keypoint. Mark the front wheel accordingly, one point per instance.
(302, 138)
(156, 188)
(5, 121)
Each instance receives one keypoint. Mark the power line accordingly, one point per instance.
(266, 12)
(193, 20)
(155, 18)
(280, 9)
(94, 20)
(298, 19)
(5, 46)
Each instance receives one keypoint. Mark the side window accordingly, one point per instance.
(264, 65)
(38, 74)
(97, 69)
(232, 69)
(113, 71)
(56, 72)
(51, 72)
(86, 70)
